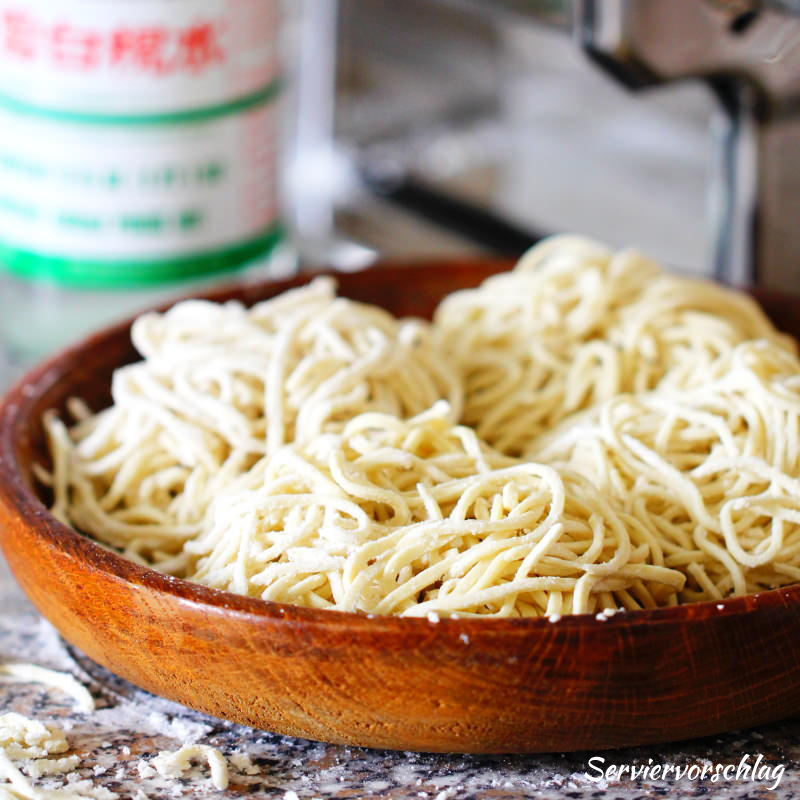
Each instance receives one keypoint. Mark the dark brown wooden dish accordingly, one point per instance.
(457, 685)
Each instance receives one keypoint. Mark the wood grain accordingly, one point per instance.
(457, 685)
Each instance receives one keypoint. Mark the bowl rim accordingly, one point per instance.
(21, 499)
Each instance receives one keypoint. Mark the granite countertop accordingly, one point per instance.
(130, 726)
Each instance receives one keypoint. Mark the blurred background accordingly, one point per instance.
(496, 107)
(450, 128)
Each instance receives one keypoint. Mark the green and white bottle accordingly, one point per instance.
(139, 151)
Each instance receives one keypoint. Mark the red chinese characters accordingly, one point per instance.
(74, 48)
(142, 48)
(153, 49)
(19, 35)
(199, 47)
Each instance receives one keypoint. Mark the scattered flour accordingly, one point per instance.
(15, 786)
(39, 767)
(31, 742)
(174, 764)
(243, 763)
(30, 673)
(183, 730)
(21, 737)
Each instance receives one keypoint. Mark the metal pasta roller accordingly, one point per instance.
(748, 51)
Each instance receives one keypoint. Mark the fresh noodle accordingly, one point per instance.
(712, 472)
(583, 434)
(221, 386)
(575, 324)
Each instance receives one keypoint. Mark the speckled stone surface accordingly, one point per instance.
(130, 726)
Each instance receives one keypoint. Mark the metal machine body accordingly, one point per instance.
(749, 54)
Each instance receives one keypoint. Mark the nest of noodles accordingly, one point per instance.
(583, 433)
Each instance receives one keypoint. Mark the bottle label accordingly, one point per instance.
(138, 138)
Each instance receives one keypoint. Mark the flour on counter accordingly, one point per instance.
(174, 764)
(243, 763)
(184, 730)
(31, 673)
(21, 737)
(39, 767)
(15, 786)
(31, 742)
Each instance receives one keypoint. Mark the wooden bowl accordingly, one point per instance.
(457, 685)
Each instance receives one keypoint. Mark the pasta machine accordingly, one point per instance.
(748, 51)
